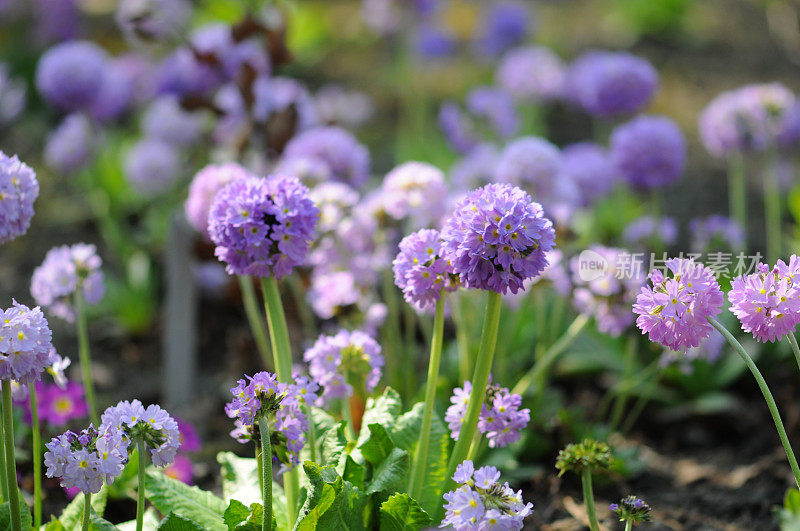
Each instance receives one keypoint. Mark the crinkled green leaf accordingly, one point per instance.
(401, 513)
(72, 513)
(354, 473)
(377, 445)
(170, 495)
(346, 512)
(391, 474)
(239, 478)
(101, 524)
(332, 504)
(176, 522)
(334, 447)
(382, 410)
(24, 514)
(239, 517)
(319, 499)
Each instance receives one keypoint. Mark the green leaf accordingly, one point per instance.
(239, 517)
(236, 513)
(401, 513)
(390, 475)
(101, 524)
(377, 445)
(382, 410)
(170, 495)
(321, 496)
(239, 478)
(346, 512)
(24, 514)
(354, 472)
(72, 514)
(332, 504)
(405, 434)
(54, 525)
(150, 521)
(176, 522)
(334, 447)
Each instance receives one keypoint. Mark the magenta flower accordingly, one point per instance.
(767, 303)
(58, 406)
(674, 311)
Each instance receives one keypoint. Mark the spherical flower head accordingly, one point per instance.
(501, 419)
(481, 501)
(65, 270)
(152, 166)
(648, 232)
(217, 39)
(505, 25)
(70, 74)
(151, 425)
(87, 459)
(716, 233)
(531, 73)
(767, 302)
(312, 171)
(18, 191)
(72, 145)
(495, 107)
(116, 92)
(334, 201)
(649, 151)
(590, 167)
(58, 406)
(675, 310)
(183, 74)
(25, 343)
(347, 159)
(631, 509)
(496, 238)
(337, 105)
(420, 271)
(333, 293)
(204, 187)
(414, 190)
(165, 120)
(344, 364)
(262, 227)
(457, 128)
(589, 454)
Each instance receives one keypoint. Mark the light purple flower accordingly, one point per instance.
(347, 159)
(117, 90)
(72, 145)
(716, 233)
(25, 343)
(87, 459)
(420, 271)
(333, 293)
(152, 166)
(531, 73)
(649, 151)
(336, 105)
(152, 19)
(18, 191)
(151, 425)
(70, 74)
(204, 187)
(501, 419)
(647, 231)
(217, 39)
(334, 201)
(64, 270)
(503, 25)
(590, 167)
(495, 107)
(165, 120)
(414, 190)
(311, 171)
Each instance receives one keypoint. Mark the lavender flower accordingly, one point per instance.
(590, 168)
(475, 169)
(70, 74)
(204, 187)
(344, 155)
(505, 25)
(85, 460)
(482, 502)
(334, 201)
(343, 364)
(262, 227)
(767, 303)
(420, 271)
(167, 121)
(531, 73)
(72, 145)
(501, 419)
(649, 151)
(152, 166)
(716, 233)
(674, 311)
(434, 42)
(18, 191)
(414, 190)
(337, 105)
(234, 55)
(116, 94)
(647, 232)
(24, 343)
(496, 238)
(311, 171)
(65, 270)
(13, 95)
(151, 425)
(457, 128)
(631, 509)
(332, 293)
(182, 74)
(495, 107)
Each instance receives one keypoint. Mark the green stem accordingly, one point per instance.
(87, 511)
(312, 432)
(254, 318)
(392, 333)
(140, 502)
(3, 478)
(622, 396)
(540, 368)
(36, 451)
(588, 499)
(480, 378)
(462, 337)
(347, 416)
(282, 356)
(266, 474)
(628, 525)
(83, 352)
(737, 190)
(773, 409)
(421, 457)
(795, 349)
(11, 466)
(772, 210)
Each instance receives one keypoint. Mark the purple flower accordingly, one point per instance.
(218, 40)
(336, 105)
(475, 169)
(590, 168)
(496, 238)
(482, 502)
(647, 231)
(504, 25)
(117, 91)
(190, 440)
(152, 19)
(66, 269)
(649, 151)
(716, 233)
(434, 42)
(13, 95)
(495, 107)
(420, 271)
(414, 190)
(457, 128)
(501, 419)
(58, 406)
(334, 201)
(610, 84)
(18, 191)
(183, 74)
(347, 159)
(332, 293)
(310, 170)
(167, 121)
(70, 75)
(72, 145)
(25, 343)
(204, 187)
(151, 425)
(531, 73)
(180, 469)
(87, 459)
(152, 166)
(344, 363)
(675, 309)
(262, 227)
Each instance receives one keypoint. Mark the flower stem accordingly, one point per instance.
(85, 359)
(87, 511)
(795, 349)
(480, 378)
(3, 478)
(421, 456)
(142, 450)
(36, 451)
(266, 473)
(622, 396)
(588, 499)
(462, 336)
(347, 416)
(282, 356)
(11, 466)
(312, 433)
(772, 210)
(773, 409)
(737, 191)
(391, 333)
(628, 525)
(254, 318)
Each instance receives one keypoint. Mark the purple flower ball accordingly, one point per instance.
(70, 75)
(715, 233)
(590, 167)
(87, 459)
(336, 105)
(434, 42)
(420, 271)
(182, 73)
(504, 25)
(152, 425)
(496, 238)
(347, 159)
(414, 190)
(332, 293)
(675, 310)
(457, 128)
(217, 39)
(25, 343)
(310, 170)
(116, 92)
(72, 145)
(262, 227)
(649, 151)
(531, 73)
(165, 120)
(495, 107)
(18, 191)
(152, 166)
(501, 419)
(648, 231)
(204, 187)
